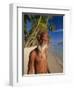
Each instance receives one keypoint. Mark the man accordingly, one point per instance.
(38, 57)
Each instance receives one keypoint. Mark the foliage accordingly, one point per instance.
(39, 24)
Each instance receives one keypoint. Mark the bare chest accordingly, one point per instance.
(41, 58)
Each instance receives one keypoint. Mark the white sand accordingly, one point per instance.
(54, 63)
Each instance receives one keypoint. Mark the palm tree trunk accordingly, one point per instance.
(32, 39)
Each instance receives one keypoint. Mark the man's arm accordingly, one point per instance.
(31, 68)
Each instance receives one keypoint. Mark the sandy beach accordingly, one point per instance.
(54, 63)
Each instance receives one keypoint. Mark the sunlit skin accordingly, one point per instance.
(38, 57)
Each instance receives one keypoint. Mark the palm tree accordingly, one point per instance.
(39, 24)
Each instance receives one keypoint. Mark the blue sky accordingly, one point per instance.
(57, 35)
(58, 21)
(28, 25)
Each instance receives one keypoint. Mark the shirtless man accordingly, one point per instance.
(38, 57)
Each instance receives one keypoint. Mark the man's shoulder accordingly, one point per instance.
(33, 52)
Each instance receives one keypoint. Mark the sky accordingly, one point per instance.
(57, 35)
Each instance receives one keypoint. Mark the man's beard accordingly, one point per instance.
(42, 47)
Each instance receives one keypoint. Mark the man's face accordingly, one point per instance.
(44, 39)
